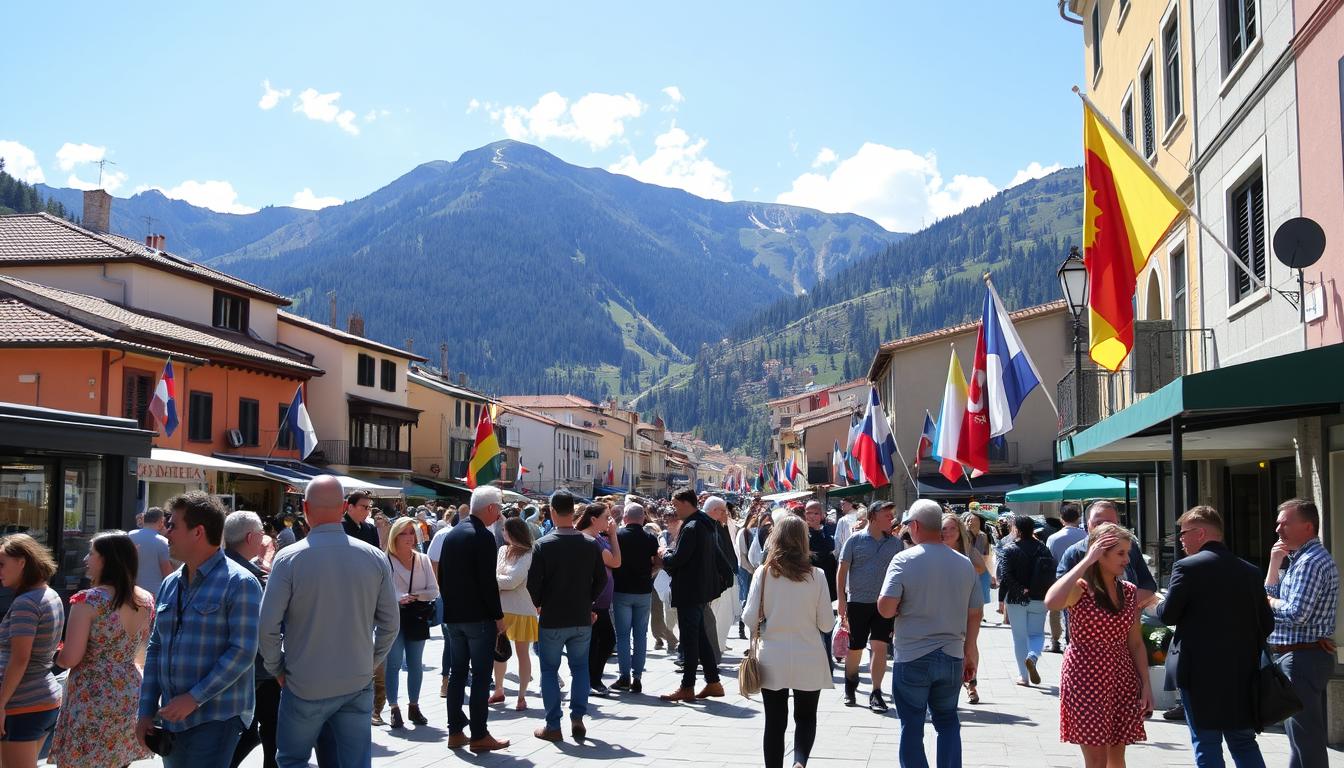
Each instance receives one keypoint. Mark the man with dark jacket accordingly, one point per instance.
(1217, 605)
(473, 618)
(695, 566)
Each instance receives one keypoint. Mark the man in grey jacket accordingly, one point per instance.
(328, 617)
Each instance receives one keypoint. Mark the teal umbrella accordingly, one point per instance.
(1077, 487)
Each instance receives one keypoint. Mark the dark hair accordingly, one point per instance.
(38, 564)
(1204, 515)
(588, 514)
(152, 515)
(562, 503)
(519, 532)
(357, 496)
(200, 509)
(1070, 513)
(1024, 526)
(1306, 509)
(686, 496)
(121, 562)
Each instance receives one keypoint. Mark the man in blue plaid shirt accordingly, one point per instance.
(198, 670)
(1303, 598)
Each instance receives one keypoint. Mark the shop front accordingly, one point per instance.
(167, 473)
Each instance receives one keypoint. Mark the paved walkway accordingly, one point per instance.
(1012, 726)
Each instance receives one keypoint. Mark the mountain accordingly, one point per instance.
(927, 281)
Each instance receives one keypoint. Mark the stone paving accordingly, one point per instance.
(1012, 726)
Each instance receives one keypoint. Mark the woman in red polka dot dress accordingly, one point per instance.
(1104, 694)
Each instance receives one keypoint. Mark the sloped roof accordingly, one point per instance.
(541, 417)
(40, 238)
(822, 415)
(548, 401)
(127, 325)
(24, 325)
(446, 388)
(348, 338)
(887, 348)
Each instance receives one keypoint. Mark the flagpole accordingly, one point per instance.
(282, 428)
(905, 465)
(1152, 175)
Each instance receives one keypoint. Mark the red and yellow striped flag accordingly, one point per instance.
(1128, 213)
(486, 459)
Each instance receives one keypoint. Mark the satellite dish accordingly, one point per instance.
(1299, 243)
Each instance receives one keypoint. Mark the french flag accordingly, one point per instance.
(927, 439)
(875, 447)
(1010, 375)
(300, 426)
(164, 404)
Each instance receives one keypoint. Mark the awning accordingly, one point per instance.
(420, 491)
(858, 489)
(1076, 487)
(166, 464)
(986, 486)
(299, 474)
(788, 495)
(608, 490)
(363, 406)
(442, 489)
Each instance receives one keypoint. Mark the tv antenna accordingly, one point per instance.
(101, 164)
(149, 225)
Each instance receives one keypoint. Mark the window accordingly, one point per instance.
(1146, 102)
(460, 455)
(1178, 318)
(457, 410)
(230, 312)
(1127, 116)
(1247, 219)
(287, 439)
(1171, 69)
(137, 389)
(1238, 29)
(249, 415)
(364, 374)
(200, 416)
(389, 382)
(1096, 40)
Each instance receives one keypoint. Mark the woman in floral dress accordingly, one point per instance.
(108, 627)
(1104, 692)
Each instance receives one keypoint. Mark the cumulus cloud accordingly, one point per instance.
(1033, 171)
(677, 161)
(271, 96)
(305, 199)
(825, 157)
(473, 105)
(324, 108)
(70, 155)
(216, 195)
(21, 162)
(899, 189)
(674, 98)
(112, 181)
(597, 119)
(374, 114)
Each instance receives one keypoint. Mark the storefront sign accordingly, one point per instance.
(152, 471)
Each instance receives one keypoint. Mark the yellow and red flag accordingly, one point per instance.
(1129, 211)
(486, 459)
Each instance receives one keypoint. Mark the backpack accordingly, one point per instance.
(1042, 574)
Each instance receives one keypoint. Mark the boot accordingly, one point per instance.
(851, 690)
(396, 718)
(413, 714)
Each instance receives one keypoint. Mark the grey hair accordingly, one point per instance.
(713, 502)
(238, 524)
(485, 495)
(927, 512)
(633, 513)
(152, 515)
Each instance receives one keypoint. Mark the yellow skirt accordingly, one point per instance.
(521, 629)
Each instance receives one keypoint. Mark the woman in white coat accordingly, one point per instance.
(793, 604)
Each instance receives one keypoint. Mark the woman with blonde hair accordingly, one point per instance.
(30, 632)
(957, 537)
(789, 606)
(417, 589)
(1104, 691)
(520, 615)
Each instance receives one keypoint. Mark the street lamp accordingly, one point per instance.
(1073, 281)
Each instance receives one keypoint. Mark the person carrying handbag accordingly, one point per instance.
(788, 616)
(413, 579)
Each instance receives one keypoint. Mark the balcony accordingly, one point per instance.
(342, 453)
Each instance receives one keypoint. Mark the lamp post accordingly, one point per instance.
(1073, 281)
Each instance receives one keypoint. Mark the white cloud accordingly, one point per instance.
(1033, 171)
(674, 98)
(473, 105)
(899, 189)
(678, 162)
(825, 157)
(112, 181)
(216, 195)
(271, 96)
(323, 107)
(597, 119)
(70, 155)
(374, 114)
(305, 199)
(21, 162)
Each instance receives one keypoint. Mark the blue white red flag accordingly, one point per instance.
(164, 404)
(875, 448)
(927, 439)
(1010, 375)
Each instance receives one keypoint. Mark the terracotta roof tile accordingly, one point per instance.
(23, 325)
(548, 401)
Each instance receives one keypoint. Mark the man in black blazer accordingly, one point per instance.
(1217, 603)
(694, 566)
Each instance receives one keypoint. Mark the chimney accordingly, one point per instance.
(149, 241)
(410, 345)
(356, 324)
(332, 296)
(161, 242)
(97, 210)
(443, 359)
(461, 378)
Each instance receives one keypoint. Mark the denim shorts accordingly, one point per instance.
(30, 726)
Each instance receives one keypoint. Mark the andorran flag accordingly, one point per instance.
(1129, 211)
(486, 459)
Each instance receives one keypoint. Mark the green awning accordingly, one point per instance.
(849, 490)
(1272, 389)
(1076, 487)
(420, 491)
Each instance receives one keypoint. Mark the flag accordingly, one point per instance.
(855, 470)
(838, 468)
(300, 425)
(164, 404)
(875, 447)
(949, 421)
(611, 474)
(484, 465)
(927, 439)
(782, 479)
(1010, 375)
(522, 470)
(973, 438)
(794, 470)
(1128, 213)
(760, 479)
(625, 476)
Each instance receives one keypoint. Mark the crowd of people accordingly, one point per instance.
(204, 634)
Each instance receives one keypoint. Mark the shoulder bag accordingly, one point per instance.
(417, 614)
(1275, 699)
(749, 669)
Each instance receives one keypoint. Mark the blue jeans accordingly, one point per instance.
(631, 615)
(1308, 671)
(743, 584)
(413, 653)
(473, 648)
(1028, 625)
(931, 683)
(208, 744)
(573, 642)
(1208, 743)
(340, 721)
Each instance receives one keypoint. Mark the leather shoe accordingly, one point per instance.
(577, 728)
(487, 743)
(711, 689)
(458, 740)
(681, 694)
(546, 734)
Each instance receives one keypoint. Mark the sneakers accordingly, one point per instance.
(377, 719)
(600, 690)
(487, 743)
(876, 703)
(657, 645)
(711, 689)
(1032, 674)
(851, 689)
(622, 684)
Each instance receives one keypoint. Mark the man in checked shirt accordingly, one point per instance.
(198, 669)
(1303, 598)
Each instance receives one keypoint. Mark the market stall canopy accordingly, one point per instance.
(298, 474)
(858, 489)
(1076, 487)
(168, 459)
(787, 496)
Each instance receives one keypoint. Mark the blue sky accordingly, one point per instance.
(900, 110)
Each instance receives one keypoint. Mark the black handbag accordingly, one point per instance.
(416, 615)
(1275, 699)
